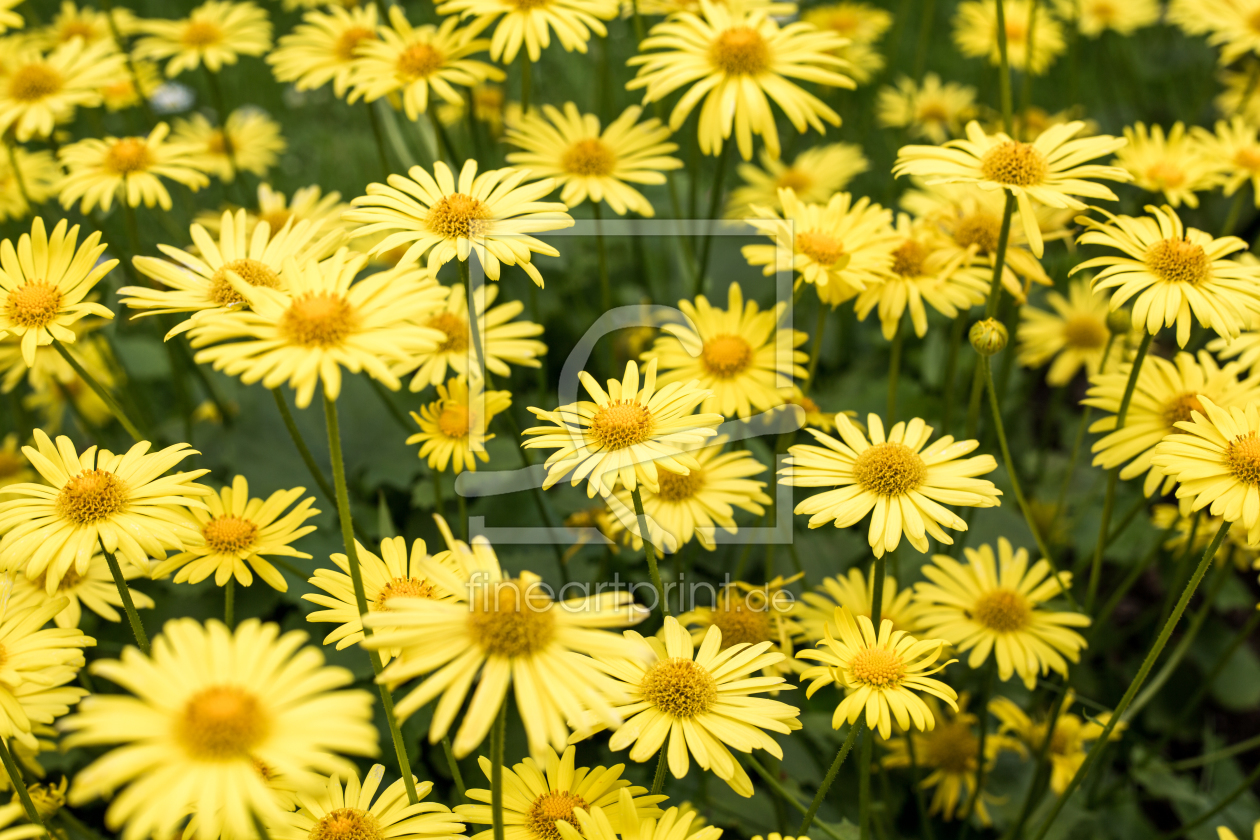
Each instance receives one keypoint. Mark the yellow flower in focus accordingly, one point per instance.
(993, 604)
(1166, 392)
(1176, 165)
(198, 718)
(881, 674)
(681, 822)
(814, 176)
(322, 322)
(1072, 338)
(750, 615)
(215, 34)
(491, 214)
(45, 282)
(686, 703)
(323, 48)
(413, 62)
(1172, 272)
(129, 168)
(625, 435)
(454, 427)
(816, 610)
(894, 478)
(1051, 170)
(249, 141)
(530, 24)
(36, 178)
(546, 792)
(1234, 148)
(1069, 742)
(736, 59)
(588, 163)
(1094, 17)
(41, 90)
(1031, 44)
(37, 663)
(933, 110)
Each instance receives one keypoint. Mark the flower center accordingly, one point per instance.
(275, 219)
(33, 82)
(510, 620)
(199, 34)
(455, 421)
(456, 329)
(932, 111)
(952, 747)
(526, 5)
(742, 622)
(740, 50)
(222, 723)
(350, 39)
(1014, 164)
(979, 229)
(33, 305)
(908, 258)
(1242, 456)
(92, 496)
(1178, 409)
(1085, 332)
(1248, 158)
(1104, 10)
(1016, 31)
(819, 247)
(229, 534)
(347, 824)
(253, 272)
(1003, 610)
(548, 809)
(794, 179)
(889, 469)
(420, 61)
(678, 488)
(408, 587)
(620, 424)
(68, 581)
(1166, 174)
(679, 687)
(217, 143)
(75, 29)
(726, 355)
(877, 667)
(458, 216)
(318, 319)
(1178, 261)
(591, 157)
(130, 154)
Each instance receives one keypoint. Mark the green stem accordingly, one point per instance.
(649, 549)
(658, 778)
(1036, 787)
(974, 402)
(453, 763)
(715, 203)
(375, 120)
(1025, 94)
(951, 366)
(1243, 787)
(605, 286)
(106, 397)
(1104, 613)
(360, 597)
(17, 176)
(1205, 684)
(894, 371)
(1004, 70)
(1004, 238)
(1216, 755)
(1136, 685)
(841, 755)
(461, 505)
(445, 151)
(229, 603)
(497, 736)
(1061, 502)
(1235, 207)
(1143, 347)
(926, 11)
(820, 326)
(982, 766)
(877, 591)
(525, 91)
(439, 506)
(19, 785)
(864, 782)
(129, 606)
(787, 796)
(925, 821)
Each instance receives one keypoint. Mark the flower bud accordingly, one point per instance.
(1119, 322)
(988, 336)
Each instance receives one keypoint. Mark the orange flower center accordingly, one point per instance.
(33, 305)
(511, 620)
(349, 40)
(877, 667)
(740, 51)
(679, 687)
(552, 807)
(420, 61)
(458, 216)
(199, 34)
(1002, 610)
(229, 534)
(1178, 261)
(1166, 175)
(1242, 456)
(252, 271)
(91, 496)
(908, 258)
(318, 319)
(408, 587)
(347, 824)
(621, 424)
(819, 247)
(794, 179)
(130, 154)
(979, 229)
(725, 356)
(590, 157)
(455, 421)
(456, 329)
(1085, 332)
(33, 82)
(742, 621)
(889, 469)
(678, 488)
(1179, 408)
(951, 747)
(224, 723)
(1014, 164)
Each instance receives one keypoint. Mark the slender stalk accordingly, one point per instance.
(129, 606)
(605, 286)
(360, 597)
(982, 716)
(100, 390)
(951, 366)
(1143, 347)
(820, 326)
(1104, 613)
(1205, 684)
(658, 778)
(1243, 787)
(229, 603)
(1025, 93)
(525, 91)
(864, 784)
(375, 120)
(497, 736)
(877, 591)
(19, 785)
(787, 796)
(17, 176)
(925, 821)
(1216, 755)
(926, 11)
(1004, 238)
(1004, 71)
(445, 149)
(1061, 502)
(894, 371)
(1136, 685)
(649, 549)
(461, 505)
(841, 755)
(715, 203)
(1235, 207)
(1036, 787)
(456, 776)
(974, 402)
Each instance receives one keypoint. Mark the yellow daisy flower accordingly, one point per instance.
(933, 110)
(679, 823)
(863, 61)
(122, 92)
(539, 795)
(896, 480)
(1069, 743)
(453, 428)
(1166, 392)
(1030, 45)
(689, 703)
(36, 178)
(491, 214)
(488, 108)
(503, 340)
(993, 604)
(531, 24)
(44, 285)
(87, 23)
(131, 168)
(356, 810)
(749, 615)
(200, 717)
(1093, 17)
(1229, 24)
(95, 590)
(746, 361)
(41, 90)
(410, 61)
(1051, 170)
(695, 505)
(1176, 165)
(238, 534)
(880, 674)
(588, 163)
(839, 247)
(816, 610)
(216, 33)
(323, 48)
(814, 176)
(736, 58)
(860, 23)
(307, 204)
(924, 270)
(322, 322)
(249, 141)
(625, 435)
(393, 574)
(508, 632)
(1072, 338)
(1171, 271)
(1234, 148)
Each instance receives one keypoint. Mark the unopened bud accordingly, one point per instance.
(1119, 322)
(988, 336)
